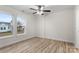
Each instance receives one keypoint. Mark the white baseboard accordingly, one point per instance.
(57, 39)
(15, 41)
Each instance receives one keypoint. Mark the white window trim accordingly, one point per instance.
(14, 32)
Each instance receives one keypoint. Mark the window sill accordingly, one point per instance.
(5, 37)
(21, 34)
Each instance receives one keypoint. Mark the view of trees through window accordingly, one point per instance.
(5, 24)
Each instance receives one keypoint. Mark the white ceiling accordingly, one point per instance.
(53, 8)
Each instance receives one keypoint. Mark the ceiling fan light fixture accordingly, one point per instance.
(39, 12)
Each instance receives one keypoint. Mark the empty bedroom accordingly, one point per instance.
(39, 28)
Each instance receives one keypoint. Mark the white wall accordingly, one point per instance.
(59, 26)
(30, 27)
(77, 26)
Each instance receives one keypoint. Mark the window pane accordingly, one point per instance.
(5, 22)
(4, 28)
(20, 25)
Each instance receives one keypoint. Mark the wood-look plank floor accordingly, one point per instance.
(39, 45)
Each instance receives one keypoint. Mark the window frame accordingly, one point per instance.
(14, 22)
(24, 25)
(7, 13)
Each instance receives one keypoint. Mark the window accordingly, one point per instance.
(4, 28)
(5, 22)
(20, 25)
(1, 28)
(8, 27)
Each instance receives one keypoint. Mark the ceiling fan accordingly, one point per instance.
(40, 10)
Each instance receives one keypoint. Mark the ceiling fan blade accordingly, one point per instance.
(46, 10)
(34, 12)
(33, 9)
